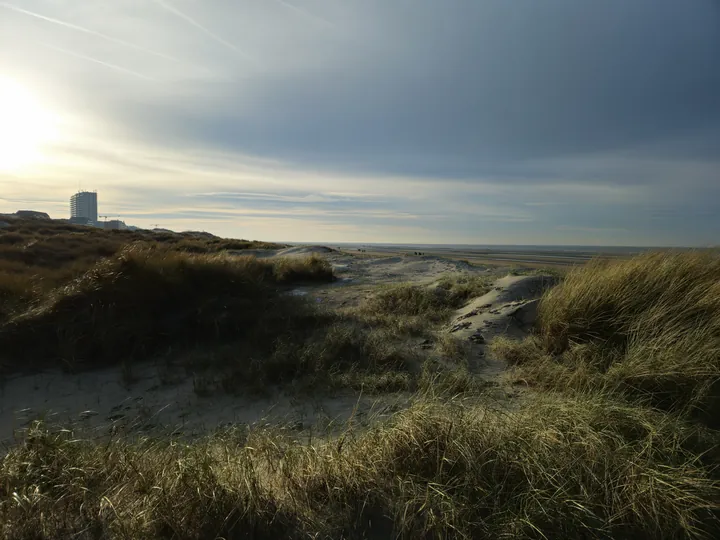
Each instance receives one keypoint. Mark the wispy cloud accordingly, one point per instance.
(573, 228)
(288, 212)
(88, 31)
(308, 15)
(544, 203)
(212, 35)
(330, 198)
(435, 121)
(108, 65)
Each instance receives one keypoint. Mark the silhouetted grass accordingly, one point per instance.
(146, 299)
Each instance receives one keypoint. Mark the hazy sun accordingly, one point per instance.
(25, 126)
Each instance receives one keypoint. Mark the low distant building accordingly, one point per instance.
(80, 220)
(114, 224)
(32, 214)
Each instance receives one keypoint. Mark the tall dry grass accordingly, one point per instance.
(648, 327)
(37, 256)
(555, 468)
(585, 465)
(147, 299)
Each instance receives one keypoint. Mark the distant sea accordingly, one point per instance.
(524, 254)
(495, 248)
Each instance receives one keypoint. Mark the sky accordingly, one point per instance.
(411, 121)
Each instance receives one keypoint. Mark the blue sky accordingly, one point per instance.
(424, 121)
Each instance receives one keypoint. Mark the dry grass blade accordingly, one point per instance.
(647, 327)
(558, 468)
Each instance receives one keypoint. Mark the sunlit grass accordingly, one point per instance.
(648, 328)
(555, 468)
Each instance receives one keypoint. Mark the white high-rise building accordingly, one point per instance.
(83, 206)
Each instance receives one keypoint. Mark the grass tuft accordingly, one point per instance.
(648, 327)
(415, 309)
(313, 268)
(555, 468)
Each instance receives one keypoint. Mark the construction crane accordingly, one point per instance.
(117, 218)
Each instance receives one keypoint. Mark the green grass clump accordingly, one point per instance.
(648, 327)
(557, 272)
(145, 300)
(409, 301)
(554, 468)
(463, 287)
(414, 309)
(450, 292)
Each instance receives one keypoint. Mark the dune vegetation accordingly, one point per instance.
(413, 309)
(82, 298)
(613, 438)
(576, 468)
(38, 256)
(646, 329)
(143, 300)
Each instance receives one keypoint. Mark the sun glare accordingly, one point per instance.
(25, 127)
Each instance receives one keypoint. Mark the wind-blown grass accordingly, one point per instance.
(580, 464)
(556, 468)
(648, 327)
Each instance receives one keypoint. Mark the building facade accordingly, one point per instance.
(114, 224)
(83, 205)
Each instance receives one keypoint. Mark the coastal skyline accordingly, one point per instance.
(556, 123)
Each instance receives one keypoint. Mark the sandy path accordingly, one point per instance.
(508, 309)
(102, 401)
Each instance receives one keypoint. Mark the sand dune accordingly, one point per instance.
(508, 309)
(152, 398)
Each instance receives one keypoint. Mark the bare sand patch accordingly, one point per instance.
(157, 402)
(508, 309)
